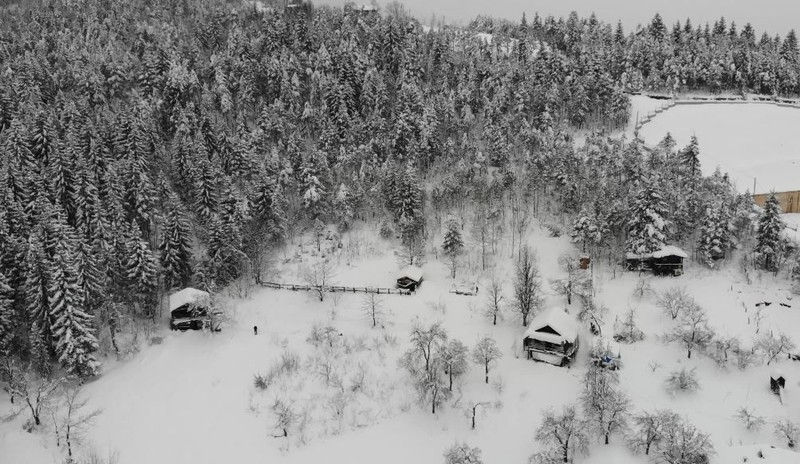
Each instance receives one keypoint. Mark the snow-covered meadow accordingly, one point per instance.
(192, 398)
(748, 140)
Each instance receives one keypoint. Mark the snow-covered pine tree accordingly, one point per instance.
(141, 271)
(37, 303)
(647, 223)
(769, 243)
(690, 159)
(715, 234)
(175, 247)
(453, 243)
(73, 334)
(8, 318)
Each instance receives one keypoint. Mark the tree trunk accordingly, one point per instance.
(487, 372)
(689, 351)
(494, 322)
(606, 438)
(450, 374)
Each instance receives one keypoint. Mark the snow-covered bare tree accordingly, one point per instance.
(604, 403)
(787, 430)
(692, 330)
(38, 392)
(772, 345)
(453, 356)
(750, 419)
(320, 275)
(648, 429)
(462, 453)
(425, 343)
(682, 443)
(285, 416)
(675, 301)
(486, 354)
(683, 380)
(372, 305)
(77, 418)
(564, 432)
(494, 299)
(527, 285)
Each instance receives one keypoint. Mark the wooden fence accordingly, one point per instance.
(336, 289)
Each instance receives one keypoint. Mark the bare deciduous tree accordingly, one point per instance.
(788, 431)
(684, 380)
(425, 342)
(749, 419)
(772, 345)
(605, 404)
(461, 453)
(564, 432)
(692, 330)
(682, 443)
(372, 305)
(648, 429)
(285, 417)
(76, 419)
(528, 285)
(486, 353)
(495, 298)
(36, 391)
(320, 275)
(675, 301)
(453, 356)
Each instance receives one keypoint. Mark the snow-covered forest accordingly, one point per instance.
(148, 146)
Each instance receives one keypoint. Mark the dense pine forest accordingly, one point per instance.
(151, 145)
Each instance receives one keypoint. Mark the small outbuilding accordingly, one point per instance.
(189, 309)
(666, 261)
(552, 337)
(410, 278)
(776, 382)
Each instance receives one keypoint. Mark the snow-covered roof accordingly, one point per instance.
(557, 320)
(668, 250)
(186, 296)
(368, 8)
(411, 272)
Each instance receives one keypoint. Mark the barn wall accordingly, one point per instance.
(790, 201)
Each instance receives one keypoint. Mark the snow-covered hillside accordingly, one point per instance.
(192, 397)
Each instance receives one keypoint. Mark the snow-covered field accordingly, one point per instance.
(192, 399)
(751, 141)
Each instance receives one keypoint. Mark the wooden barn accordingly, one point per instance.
(552, 337)
(410, 278)
(666, 261)
(188, 309)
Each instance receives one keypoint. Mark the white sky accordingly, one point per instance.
(775, 16)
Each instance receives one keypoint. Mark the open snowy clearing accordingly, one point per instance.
(747, 140)
(191, 399)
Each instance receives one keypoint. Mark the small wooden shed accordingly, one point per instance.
(410, 278)
(552, 337)
(189, 308)
(666, 261)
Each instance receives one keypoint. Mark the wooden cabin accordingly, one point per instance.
(410, 278)
(189, 309)
(666, 261)
(552, 337)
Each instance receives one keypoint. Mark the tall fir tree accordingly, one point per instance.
(647, 225)
(175, 247)
(73, 331)
(715, 234)
(769, 242)
(453, 243)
